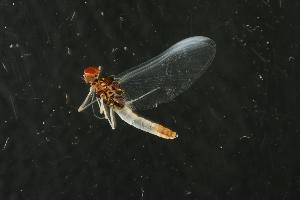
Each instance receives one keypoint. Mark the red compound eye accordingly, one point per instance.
(91, 70)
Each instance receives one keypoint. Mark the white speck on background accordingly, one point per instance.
(69, 52)
(73, 15)
(5, 144)
(114, 49)
(4, 67)
(13, 106)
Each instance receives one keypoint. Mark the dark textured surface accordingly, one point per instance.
(238, 125)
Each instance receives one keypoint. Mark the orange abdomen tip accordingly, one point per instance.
(165, 132)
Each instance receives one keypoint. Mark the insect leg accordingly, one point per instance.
(112, 118)
(105, 110)
(101, 106)
(96, 115)
(85, 104)
(88, 105)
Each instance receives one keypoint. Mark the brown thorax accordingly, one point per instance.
(110, 91)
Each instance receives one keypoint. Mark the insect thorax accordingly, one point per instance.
(110, 91)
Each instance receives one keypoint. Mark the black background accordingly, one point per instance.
(238, 125)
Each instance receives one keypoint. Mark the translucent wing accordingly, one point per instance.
(165, 76)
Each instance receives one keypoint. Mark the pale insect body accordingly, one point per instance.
(156, 81)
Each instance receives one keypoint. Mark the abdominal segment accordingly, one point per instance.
(164, 132)
(133, 119)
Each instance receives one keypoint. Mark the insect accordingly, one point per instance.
(156, 81)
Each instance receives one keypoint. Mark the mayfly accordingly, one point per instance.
(156, 81)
